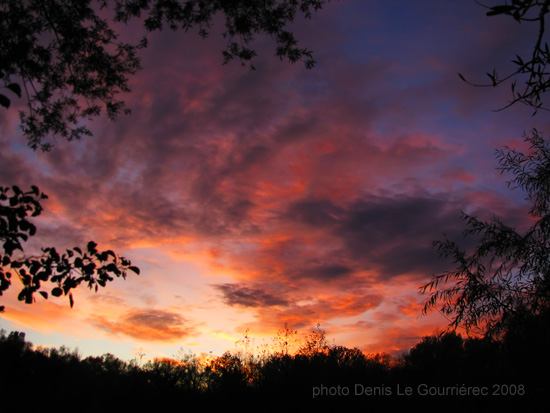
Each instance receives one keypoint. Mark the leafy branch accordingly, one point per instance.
(507, 272)
(532, 71)
(64, 271)
(69, 60)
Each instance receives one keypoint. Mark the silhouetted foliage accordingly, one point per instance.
(507, 273)
(438, 357)
(285, 340)
(64, 271)
(531, 70)
(315, 343)
(66, 59)
(334, 379)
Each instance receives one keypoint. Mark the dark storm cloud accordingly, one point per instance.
(396, 234)
(392, 235)
(422, 260)
(330, 271)
(307, 311)
(311, 265)
(315, 212)
(241, 295)
(378, 220)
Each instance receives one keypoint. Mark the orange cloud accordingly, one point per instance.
(148, 325)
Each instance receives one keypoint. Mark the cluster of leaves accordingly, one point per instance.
(508, 272)
(532, 71)
(67, 61)
(13, 87)
(244, 19)
(14, 211)
(64, 271)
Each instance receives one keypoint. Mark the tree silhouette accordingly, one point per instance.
(63, 271)
(507, 275)
(437, 358)
(531, 70)
(66, 59)
(508, 272)
(338, 378)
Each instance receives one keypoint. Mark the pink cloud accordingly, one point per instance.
(147, 325)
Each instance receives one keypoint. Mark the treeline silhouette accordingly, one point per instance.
(443, 371)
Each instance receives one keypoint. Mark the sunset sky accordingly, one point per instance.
(251, 199)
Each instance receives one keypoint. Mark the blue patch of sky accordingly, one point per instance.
(404, 29)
